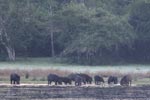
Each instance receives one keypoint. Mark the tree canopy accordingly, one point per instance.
(84, 31)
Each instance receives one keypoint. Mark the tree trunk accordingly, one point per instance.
(11, 53)
(52, 44)
(5, 41)
(51, 33)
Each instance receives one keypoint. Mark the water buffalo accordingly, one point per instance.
(66, 80)
(72, 76)
(113, 79)
(54, 78)
(77, 78)
(14, 78)
(98, 80)
(126, 80)
(87, 78)
(78, 81)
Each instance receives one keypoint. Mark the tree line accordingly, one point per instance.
(83, 31)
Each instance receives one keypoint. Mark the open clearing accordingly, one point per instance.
(36, 88)
(39, 68)
(49, 63)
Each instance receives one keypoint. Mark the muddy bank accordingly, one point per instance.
(74, 93)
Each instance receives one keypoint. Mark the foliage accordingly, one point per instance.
(85, 31)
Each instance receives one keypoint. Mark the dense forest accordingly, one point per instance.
(82, 31)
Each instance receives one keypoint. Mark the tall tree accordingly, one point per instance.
(6, 10)
(91, 30)
(51, 8)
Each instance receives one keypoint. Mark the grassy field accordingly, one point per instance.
(39, 68)
(50, 63)
(43, 81)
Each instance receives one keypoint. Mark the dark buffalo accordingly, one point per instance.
(98, 80)
(87, 78)
(66, 80)
(72, 76)
(126, 80)
(113, 79)
(78, 81)
(76, 77)
(54, 78)
(14, 78)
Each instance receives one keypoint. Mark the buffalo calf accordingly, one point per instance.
(98, 80)
(54, 78)
(113, 79)
(14, 78)
(126, 80)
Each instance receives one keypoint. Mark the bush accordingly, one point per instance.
(42, 79)
(27, 75)
(3, 57)
(34, 79)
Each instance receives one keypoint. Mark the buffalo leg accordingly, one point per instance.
(11, 81)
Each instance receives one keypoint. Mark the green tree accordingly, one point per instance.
(7, 9)
(86, 32)
(140, 20)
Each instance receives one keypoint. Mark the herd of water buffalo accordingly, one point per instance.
(78, 79)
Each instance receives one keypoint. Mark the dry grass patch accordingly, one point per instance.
(39, 76)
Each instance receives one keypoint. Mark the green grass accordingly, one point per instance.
(40, 80)
(31, 80)
(143, 81)
(58, 63)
